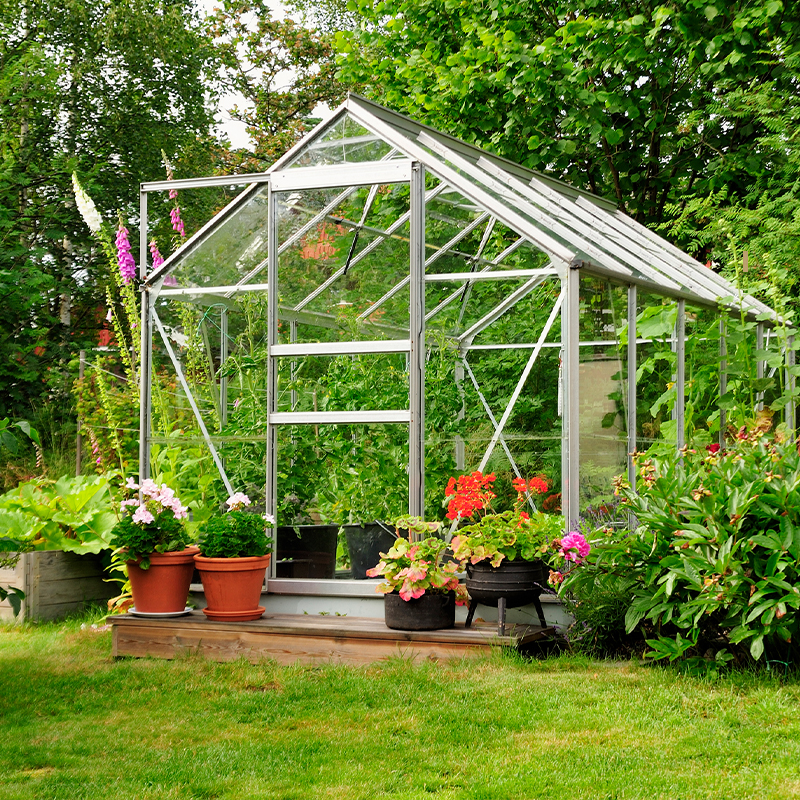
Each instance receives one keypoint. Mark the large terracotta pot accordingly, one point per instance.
(164, 586)
(433, 611)
(232, 586)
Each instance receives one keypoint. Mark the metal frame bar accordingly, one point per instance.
(204, 183)
(416, 361)
(570, 331)
(521, 382)
(145, 349)
(680, 375)
(723, 375)
(492, 275)
(632, 387)
(342, 348)
(271, 466)
(190, 397)
(389, 416)
(224, 291)
(332, 176)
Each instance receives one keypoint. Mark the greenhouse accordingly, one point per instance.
(388, 307)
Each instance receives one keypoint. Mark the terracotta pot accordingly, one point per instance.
(164, 587)
(232, 586)
(431, 612)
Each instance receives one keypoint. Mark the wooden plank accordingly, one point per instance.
(57, 565)
(289, 638)
(55, 583)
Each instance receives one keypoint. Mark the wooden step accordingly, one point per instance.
(290, 638)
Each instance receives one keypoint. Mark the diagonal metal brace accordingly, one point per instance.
(190, 397)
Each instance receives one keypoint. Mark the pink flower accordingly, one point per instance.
(175, 219)
(127, 266)
(574, 547)
(158, 259)
(142, 515)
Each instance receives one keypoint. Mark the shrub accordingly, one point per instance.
(714, 562)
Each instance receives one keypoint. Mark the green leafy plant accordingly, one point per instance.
(71, 514)
(417, 565)
(151, 523)
(713, 564)
(237, 533)
(512, 535)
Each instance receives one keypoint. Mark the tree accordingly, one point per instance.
(281, 68)
(80, 92)
(622, 98)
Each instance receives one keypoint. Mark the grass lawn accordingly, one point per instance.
(76, 724)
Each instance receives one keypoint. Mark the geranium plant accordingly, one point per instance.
(237, 533)
(152, 522)
(488, 536)
(415, 566)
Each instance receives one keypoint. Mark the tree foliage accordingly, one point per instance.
(80, 92)
(283, 71)
(622, 98)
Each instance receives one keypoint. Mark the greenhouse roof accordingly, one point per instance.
(571, 227)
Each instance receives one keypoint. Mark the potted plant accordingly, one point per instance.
(151, 540)
(233, 559)
(502, 552)
(420, 585)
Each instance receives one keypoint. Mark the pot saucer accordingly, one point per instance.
(159, 614)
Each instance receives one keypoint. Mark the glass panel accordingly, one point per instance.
(533, 431)
(603, 395)
(345, 141)
(366, 382)
(655, 369)
(337, 260)
(236, 246)
(330, 476)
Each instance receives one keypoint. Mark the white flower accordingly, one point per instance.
(91, 216)
(237, 501)
(269, 519)
(131, 484)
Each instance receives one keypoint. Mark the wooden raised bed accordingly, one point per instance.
(55, 583)
(291, 638)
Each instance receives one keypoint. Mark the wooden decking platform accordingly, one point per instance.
(289, 638)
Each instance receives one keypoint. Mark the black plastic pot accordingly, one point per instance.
(306, 551)
(365, 543)
(431, 612)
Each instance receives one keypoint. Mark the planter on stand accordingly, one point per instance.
(512, 584)
(365, 543)
(232, 586)
(163, 588)
(430, 612)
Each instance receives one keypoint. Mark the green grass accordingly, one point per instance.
(74, 723)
